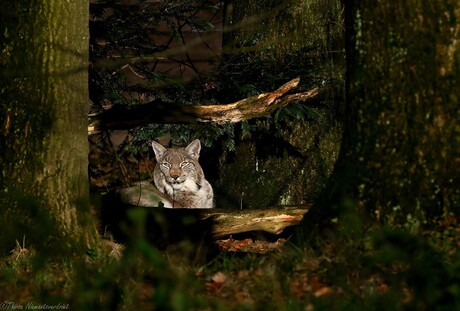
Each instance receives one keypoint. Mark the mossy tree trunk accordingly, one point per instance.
(44, 194)
(400, 156)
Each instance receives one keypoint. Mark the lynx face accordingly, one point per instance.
(178, 168)
(179, 175)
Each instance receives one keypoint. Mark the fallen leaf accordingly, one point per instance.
(249, 246)
(326, 290)
(219, 277)
(382, 288)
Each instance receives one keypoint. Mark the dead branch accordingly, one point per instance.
(122, 117)
(273, 220)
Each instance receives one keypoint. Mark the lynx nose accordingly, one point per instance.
(175, 174)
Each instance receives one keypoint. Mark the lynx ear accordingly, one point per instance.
(193, 149)
(159, 150)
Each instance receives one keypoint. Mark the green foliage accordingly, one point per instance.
(433, 281)
(143, 273)
(297, 111)
(374, 264)
(349, 268)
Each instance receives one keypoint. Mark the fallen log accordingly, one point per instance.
(225, 222)
(273, 220)
(124, 117)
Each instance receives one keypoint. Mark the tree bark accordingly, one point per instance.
(398, 162)
(44, 90)
(123, 117)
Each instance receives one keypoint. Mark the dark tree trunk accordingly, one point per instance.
(399, 160)
(44, 96)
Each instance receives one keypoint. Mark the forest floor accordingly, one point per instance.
(380, 269)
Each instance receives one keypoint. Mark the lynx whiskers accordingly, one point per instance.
(179, 176)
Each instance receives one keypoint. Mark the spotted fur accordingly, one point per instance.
(179, 176)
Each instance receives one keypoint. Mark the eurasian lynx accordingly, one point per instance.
(179, 175)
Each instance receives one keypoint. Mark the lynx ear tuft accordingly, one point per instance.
(159, 150)
(193, 149)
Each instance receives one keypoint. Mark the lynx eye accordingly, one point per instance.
(184, 163)
(165, 165)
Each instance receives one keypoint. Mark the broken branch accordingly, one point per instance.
(122, 117)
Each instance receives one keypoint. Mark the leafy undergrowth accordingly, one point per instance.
(383, 269)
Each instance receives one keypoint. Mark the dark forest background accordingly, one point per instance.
(375, 155)
(217, 53)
